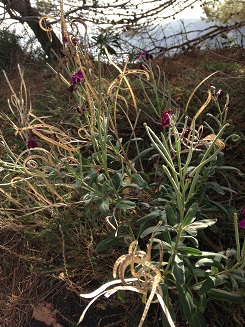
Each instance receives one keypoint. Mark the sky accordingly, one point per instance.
(196, 12)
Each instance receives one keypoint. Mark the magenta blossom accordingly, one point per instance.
(73, 39)
(31, 143)
(144, 55)
(166, 117)
(77, 78)
(242, 223)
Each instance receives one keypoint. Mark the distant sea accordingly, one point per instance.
(166, 38)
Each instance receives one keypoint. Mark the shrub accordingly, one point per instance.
(10, 50)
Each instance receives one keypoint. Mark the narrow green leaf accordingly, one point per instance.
(190, 251)
(229, 168)
(156, 230)
(201, 224)
(125, 204)
(200, 273)
(127, 186)
(204, 262)
(192, 239)
(215, 186)
(171, 215)
(179, 269)
(111, 50)
(190, 268)
(207, 285)
(234, 284)
(228, 189)
(213, 254)
(137, 179)
(191, 231)
(202, 303)
(237, 277)
(186, 301)
(190, 215)
(154, 214)
(110, 242)
(240, 272)
(225, 296)
(214, 270)
(197, 320)
(142, 154)
(135, 139)
(116, 180)
(165, 245)
(220, 207)
(209, 263)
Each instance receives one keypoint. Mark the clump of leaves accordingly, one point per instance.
(109, 40)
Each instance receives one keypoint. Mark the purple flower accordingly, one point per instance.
(144, 55)
(73, 39)
(243, 212)
(77, 78)
(220, 94)
(166, 117)
(242, 223)
(31, 143)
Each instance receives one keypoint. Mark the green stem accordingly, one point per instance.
(238, 247)
(175, 251)
(196, 173)
(162, 148)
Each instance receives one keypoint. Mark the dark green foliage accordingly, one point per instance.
(11, 52)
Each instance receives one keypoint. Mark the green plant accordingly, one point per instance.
(107, 39)
(187, 161)
(153, 184)
(11, 51)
